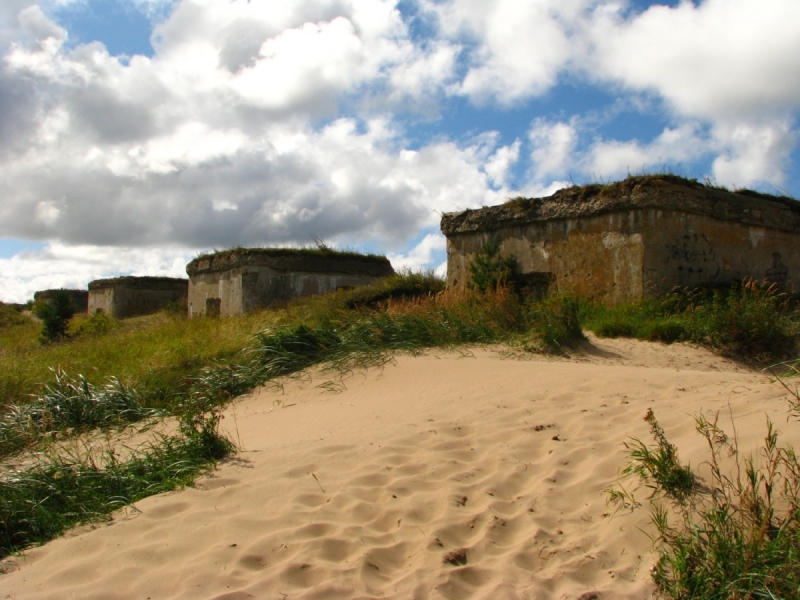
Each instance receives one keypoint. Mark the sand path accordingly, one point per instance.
(449, 475)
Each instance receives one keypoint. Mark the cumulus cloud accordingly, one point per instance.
(553, 147)
(501, 162)
(272, 122)
(422, 255)
(73, 266)
(751, 155)
(181, 149)
(516, 49)
(715, 59)
(613, 158)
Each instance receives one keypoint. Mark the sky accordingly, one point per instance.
(135, 134)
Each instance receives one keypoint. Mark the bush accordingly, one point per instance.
(55, 315)
(557, 324)
(99, 323)
(751, 320)
(488, 271)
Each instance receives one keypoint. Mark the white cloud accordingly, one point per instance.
(58, 265)
(554, 146)
(751, 155)
(613, 158)
(717, 59)
(519, 48)
(499, 164)
(425, 255)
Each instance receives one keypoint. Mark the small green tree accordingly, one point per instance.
(55, 315)
(488, 269)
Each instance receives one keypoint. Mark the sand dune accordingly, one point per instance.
(451, 475)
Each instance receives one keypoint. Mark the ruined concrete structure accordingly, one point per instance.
(244, 280)
(123, 297)
(80, 298)
(641, 236)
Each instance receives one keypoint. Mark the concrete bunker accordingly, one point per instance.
(243, 280)
(128, 296)
(80, 298)
(641, 236)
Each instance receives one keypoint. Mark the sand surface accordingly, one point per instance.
(450, 475)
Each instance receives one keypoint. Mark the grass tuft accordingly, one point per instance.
(40, 502)
(70, 405)
(737, 536)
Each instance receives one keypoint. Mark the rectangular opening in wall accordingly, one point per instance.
(213, 306)
(534, 285)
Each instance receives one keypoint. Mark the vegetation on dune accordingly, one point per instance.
(735, 537)
(166, 364)
(750, 320)
(59, 491)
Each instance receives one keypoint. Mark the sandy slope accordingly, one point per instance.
(443, 476)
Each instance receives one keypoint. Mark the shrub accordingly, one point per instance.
(556, 324)
(751, 320)
(55, 315)
(488, 271)
(99, 323)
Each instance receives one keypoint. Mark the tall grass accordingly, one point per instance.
(70, 405)
(59, 491)
(755, 321)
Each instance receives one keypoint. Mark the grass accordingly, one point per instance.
(71, 406)
(157, 354)
(193, 367)
(735, 537)
(320, 249)
(757, 322)
(40, 502)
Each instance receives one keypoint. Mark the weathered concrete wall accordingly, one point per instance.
(593, 257)
(244, 281)
(80, 298)
(688, 250)
(123, 297)
(643, 236)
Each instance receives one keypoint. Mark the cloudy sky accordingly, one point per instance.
(135, 133)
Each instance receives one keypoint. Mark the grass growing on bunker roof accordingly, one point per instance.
(320, 250)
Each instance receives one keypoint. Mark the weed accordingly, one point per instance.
(659, 467)
(735, 537)
(557, 324)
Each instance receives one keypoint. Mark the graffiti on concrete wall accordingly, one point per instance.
(778, 272)
(694, 258)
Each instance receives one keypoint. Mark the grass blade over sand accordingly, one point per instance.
(41, 501)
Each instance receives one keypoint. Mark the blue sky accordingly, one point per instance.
(136, 133)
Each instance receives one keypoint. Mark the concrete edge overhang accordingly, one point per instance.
(376, 266)
(596, 200)
(143, 282)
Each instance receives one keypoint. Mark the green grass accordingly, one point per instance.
(60, 491)
(735, 537)
(157, 354)
(110, 373)
(756, 322)
(71, 406)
